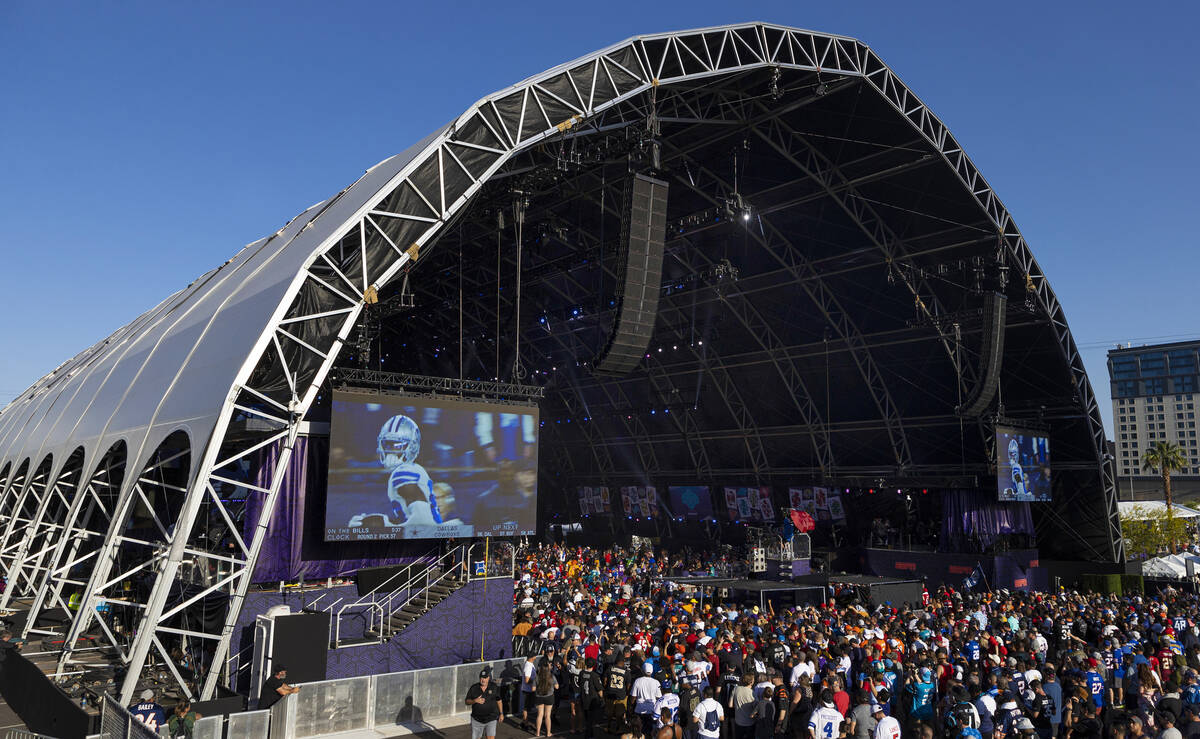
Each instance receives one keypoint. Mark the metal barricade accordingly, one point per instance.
(394, 704)
(249, 725)
(333, 706)
(209, 727)
(23, 734)
(117, 721)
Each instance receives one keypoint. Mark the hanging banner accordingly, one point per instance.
(836, 510)
(585, 501)
(626, 500)
(766, 506)
(651, 498)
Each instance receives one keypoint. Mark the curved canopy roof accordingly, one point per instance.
(833, 257)
(829, 332)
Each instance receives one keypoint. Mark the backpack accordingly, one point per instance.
(712, 721)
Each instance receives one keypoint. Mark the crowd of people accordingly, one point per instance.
(623, 649)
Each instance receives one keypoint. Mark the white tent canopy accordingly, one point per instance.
(1141, 510)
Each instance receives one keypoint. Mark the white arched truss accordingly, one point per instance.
(311, 279)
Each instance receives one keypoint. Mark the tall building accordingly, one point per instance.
(1155, 391)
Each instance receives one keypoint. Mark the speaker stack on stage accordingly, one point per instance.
(639, 277)
(758, 559)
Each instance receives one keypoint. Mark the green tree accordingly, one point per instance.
(1163, 458)
(1150, 532)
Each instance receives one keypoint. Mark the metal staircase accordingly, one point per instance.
(401, 599)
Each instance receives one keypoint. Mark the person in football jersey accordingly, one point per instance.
(886, 727)
(826, 721)
(1017, 474)
(410, 490)
(149, 712)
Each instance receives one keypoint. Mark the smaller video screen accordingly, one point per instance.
(1023, 465)
(690, 501)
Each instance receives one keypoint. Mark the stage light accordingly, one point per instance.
(701, 343)
(871, 491)
(924, 491)
(652, 411)
(675, 347)
(897, 491)
(822, 90)
(660, 348)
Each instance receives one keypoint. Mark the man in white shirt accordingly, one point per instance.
(886, 727)
(803, 667)
(708, 716)
(645, 693)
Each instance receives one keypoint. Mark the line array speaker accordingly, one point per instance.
(991, 357)
(639, 277)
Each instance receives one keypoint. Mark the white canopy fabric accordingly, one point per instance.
(1172, 565)
(1138, 510)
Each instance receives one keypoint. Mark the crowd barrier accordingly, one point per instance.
(412, 698)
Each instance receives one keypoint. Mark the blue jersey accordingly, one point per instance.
(1017, 677)
(971, 651)
(1095, 687)
(1180, 624)
(149, 713)
(1109, 658)
(1191, 694)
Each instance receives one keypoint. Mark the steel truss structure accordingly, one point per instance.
(126, 473)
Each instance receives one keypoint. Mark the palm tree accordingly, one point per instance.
(1164, 457)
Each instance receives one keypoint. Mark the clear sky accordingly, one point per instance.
(142, 143)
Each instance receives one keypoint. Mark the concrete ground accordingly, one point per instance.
(459, 728)
(9, 718)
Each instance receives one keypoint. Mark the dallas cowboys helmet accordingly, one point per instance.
(399, 441)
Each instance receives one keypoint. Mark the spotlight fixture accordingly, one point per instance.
(821, 89)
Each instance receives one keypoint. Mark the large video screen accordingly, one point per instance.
(409, 467)
(1023, 469)
(690, 501)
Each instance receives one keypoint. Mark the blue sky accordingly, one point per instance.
(144, 143)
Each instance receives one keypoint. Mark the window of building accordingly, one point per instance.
(1126, 388)
(1153, 364)
(1185, 384)
(1183, 362)
(1124, 368)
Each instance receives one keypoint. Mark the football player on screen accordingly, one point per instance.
(1018, 474)
(411, 492)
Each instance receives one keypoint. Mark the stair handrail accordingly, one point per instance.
(443, 562)
(413, 594)
(372, 608)
(428, 558)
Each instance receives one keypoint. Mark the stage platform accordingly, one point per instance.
(1015, 570)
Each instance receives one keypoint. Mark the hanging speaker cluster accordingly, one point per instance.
(639, 277)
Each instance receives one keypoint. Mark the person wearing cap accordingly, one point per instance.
(486, 710)
(645, 693)
(886, 727)
(275, 687)
(149, 712)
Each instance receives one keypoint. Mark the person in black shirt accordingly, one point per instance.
(275, 688)
(616, 695)
(589, 698)
(486, 712)
(1041, 710)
